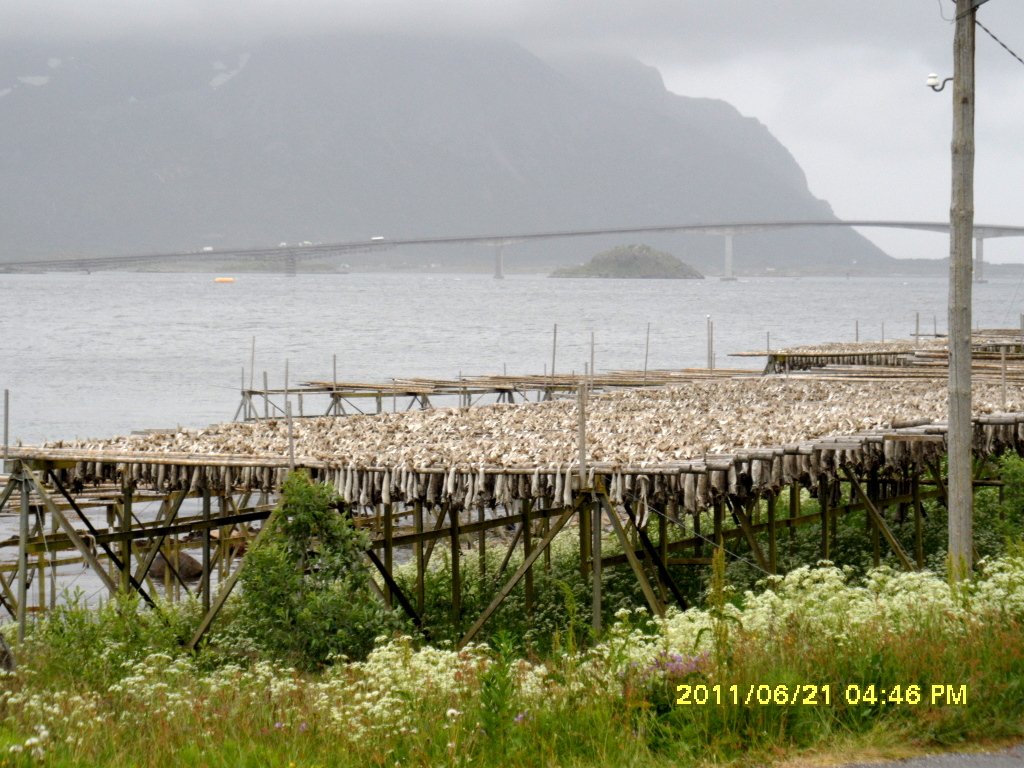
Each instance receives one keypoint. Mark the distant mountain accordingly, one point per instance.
(126, 148)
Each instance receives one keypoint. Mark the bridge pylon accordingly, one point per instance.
(727, 273)
(499, 261)
(979, 258)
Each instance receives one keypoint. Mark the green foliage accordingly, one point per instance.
(103, 640)
(111, 686)
(306, 597)
(558, 617)
(498, 691)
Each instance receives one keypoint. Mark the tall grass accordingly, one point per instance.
(611, 704)
(112, 686)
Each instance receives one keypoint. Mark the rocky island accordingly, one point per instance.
(632, 261)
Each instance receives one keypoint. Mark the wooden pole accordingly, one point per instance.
(389, 511)
(647, 350)
(711, 342)
(1002, 374)
(266, 398)
(915, 490)
(595, 548)
(23, 558)
(581, 432)
(592, 371)
(527, 551)
(794, 510)
(586, 532)
(554, 346)
(417, 522)
(961, 215)
(291, 435)
(453, 522)
(823, 491)
(481, 516)
(205, 581)
(663, 549)
(126, 546)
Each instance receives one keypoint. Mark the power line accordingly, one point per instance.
(987, 31)
(1004, 45)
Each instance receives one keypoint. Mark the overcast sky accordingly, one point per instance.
(839, 82)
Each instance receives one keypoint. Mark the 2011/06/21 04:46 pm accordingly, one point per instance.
(869, 694)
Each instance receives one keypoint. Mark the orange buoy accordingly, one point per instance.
(223, 279)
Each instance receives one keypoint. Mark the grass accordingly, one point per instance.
(111, 686)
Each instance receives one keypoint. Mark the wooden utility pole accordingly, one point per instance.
(961, 227)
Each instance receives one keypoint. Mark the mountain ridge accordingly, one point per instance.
(129, 148)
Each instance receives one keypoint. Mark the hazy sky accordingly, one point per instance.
(839, 82)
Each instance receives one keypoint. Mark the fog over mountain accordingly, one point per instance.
(118, 147)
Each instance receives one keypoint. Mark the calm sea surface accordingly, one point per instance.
(107, 353)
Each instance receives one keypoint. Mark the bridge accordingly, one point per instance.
(290, 255)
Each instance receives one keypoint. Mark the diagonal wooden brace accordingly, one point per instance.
(520, 572)
(143, 569)
(627, 548)
(92, 530)
(70, 532)
(226, 587)
(655, 556)
(744, 520)
(879, 522)
(395, 589)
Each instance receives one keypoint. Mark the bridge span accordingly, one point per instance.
(288, 256)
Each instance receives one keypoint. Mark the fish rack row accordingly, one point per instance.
(714, 500)
(991, 345)
(344, 398)
(693, 482)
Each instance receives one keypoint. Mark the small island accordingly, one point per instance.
(632, 261)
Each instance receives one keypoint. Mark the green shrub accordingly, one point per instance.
(306, 596)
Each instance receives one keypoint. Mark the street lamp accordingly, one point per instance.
(933, 82)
